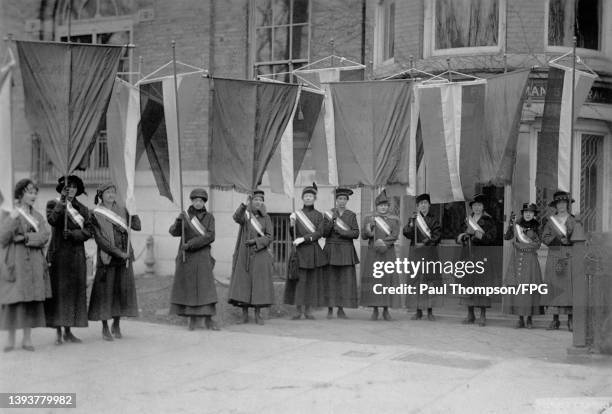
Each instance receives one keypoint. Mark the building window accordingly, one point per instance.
(465, 26)
(384, 43)
(585, 14)
(280, 36)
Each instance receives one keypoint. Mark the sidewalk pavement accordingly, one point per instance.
(321, 366)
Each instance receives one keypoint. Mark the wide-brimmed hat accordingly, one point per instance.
(341, 191)
(561, 196)
(71, 179)
(312, 189)
(479, 198)
(422, 197)
(530, 207)
(199, 193)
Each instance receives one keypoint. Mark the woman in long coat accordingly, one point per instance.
(340, 228)
(381, 230)
(479, 238)
(66, 255)
(113, 293)
(557, 234)
(194, 294)
(523, 265)
(306, 290)
(424, 234)
(252, 267)
(24, 280)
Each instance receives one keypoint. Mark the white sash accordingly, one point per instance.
(254, 223)
(197, 225)
(558, 226)
(112, 216)
(75, 215)
(339, 221)
(520, 234)
(305, 221)
(380, 222)
(474, 225)
(422, 226)
(33, 222)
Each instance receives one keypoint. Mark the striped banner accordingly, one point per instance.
(452, 117)
(555, 141)
(122, 119)
(159, 126)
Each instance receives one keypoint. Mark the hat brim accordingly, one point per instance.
(567, 200)
(80, 185)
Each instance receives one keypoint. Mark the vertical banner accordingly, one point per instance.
(122, 119)
(6, 135)
(158, 127)
(452, 116)
(555, 142)
(67, 88)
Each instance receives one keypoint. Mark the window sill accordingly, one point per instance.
(461, 51)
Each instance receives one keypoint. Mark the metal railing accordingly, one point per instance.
(281, 245)
(45, 173)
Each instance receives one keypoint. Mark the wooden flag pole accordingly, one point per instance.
(129, 231)
(571, 181)
(69, 117)
(178, 130)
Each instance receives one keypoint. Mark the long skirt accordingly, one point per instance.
(372, 287)
(113, 293)
(340, 287)
(492, 257)
(432, 277)
(22, 315)
(523, 268)
(184, 310)
(558, 276)
(307, 289)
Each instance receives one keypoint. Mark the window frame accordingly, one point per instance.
(603, 31)
(252, 33)
(380, 32)
(429, 38)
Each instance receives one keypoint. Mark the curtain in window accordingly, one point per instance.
(466, 23)
(561, 16)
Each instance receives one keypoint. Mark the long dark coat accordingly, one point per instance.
(558, 273)
(253, 266)
(194, 283)
(68, 272)
(425, 248)
(523, 267)
(113, 293)
(340, 278)
(307, 289)
(368, 282)
(487, 250)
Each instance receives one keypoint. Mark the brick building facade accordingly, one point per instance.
(243, 38)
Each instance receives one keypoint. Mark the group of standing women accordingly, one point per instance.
(50, 290)
(326, 277)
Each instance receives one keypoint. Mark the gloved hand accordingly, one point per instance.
(250, 242)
